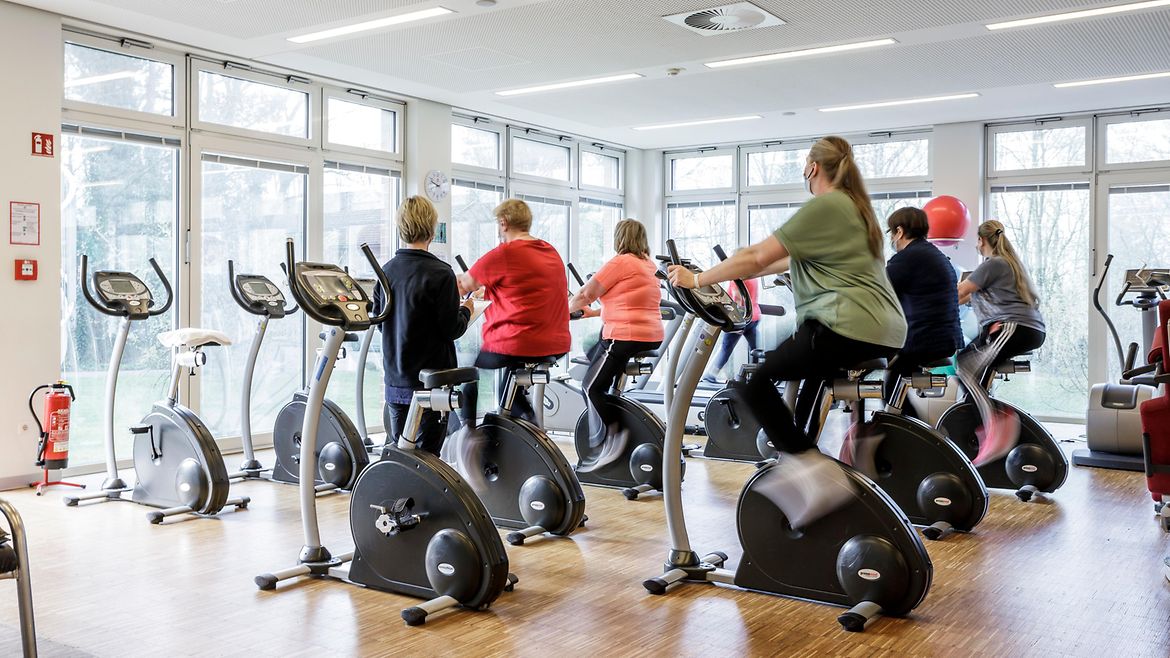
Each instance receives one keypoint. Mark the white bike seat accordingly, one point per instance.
(193, 337)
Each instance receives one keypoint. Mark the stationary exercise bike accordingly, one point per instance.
(930, 479)
(1036, 464)
(258, 295)
(176, 461)
(865, 554)
(418, 529)
(637, 470)
(339, 450)
(527, 483)
(14, 566)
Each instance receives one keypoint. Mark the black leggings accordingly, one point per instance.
(814, 354)
(608, 364)
(731, 340)
(505, 365)
(432, 431)
(990, 350)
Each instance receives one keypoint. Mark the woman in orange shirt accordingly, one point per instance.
(632, 321)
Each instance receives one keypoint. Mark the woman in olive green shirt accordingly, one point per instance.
(846, 310)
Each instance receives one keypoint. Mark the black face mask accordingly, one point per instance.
(808, 181)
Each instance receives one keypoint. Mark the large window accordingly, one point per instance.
(551, 217)
(893, 159)
(767, 167)
(472, 147)
(360, 205)
(697, 226)
(703, 171)
(541, 159)
(1049, 226)
(599, 170)
(248, 209)
(360, 125)
(1058, 147)
(1129, 142)
(101, 77)
(596, 220)
(120, 207)
(247, 104)
(1139, 232)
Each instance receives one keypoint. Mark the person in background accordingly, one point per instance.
(730, 340)
(631, 323)
(924, 280)
(846, 312)
(1005, 301)
(524, 278)
(426, 318)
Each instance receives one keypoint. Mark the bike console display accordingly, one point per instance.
(123, 293)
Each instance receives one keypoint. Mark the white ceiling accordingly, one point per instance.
(463, 58)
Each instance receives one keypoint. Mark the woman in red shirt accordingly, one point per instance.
(524, 278)
(632, 323)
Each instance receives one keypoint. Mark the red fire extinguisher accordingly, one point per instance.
(53, 447)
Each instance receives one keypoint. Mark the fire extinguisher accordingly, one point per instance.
(53, 448)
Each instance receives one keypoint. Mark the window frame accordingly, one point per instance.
(994, 130)
(609, 152)
(710, 152)
(346, 151)
(310, 243)
(745, 153)
(486, 125)
(522, 189)
(1102, 142)
(119, 46)
(533, 135)
(899, 183)
(311, 89)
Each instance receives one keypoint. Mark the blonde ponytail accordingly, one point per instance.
(993, 235)
(835, 157)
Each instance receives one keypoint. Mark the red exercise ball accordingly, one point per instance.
(949, 220)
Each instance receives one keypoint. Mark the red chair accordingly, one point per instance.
(1156, 422)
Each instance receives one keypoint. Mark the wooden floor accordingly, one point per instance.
(1076, 574)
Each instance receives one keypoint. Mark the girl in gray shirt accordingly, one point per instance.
(1005, 301)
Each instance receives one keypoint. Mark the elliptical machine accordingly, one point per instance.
(865, 555)
(258, 295)
(176, 461)
(418, 528)
(1113, 428)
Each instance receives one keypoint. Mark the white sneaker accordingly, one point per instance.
(806, 487)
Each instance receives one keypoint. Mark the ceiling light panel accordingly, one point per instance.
(806, 52)
(366, 26)
(1105, 81)
(1076, 15)
(895, 103)
(569, 85)
(701, 122)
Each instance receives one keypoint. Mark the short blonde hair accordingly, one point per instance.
(417, 219)
(515, 213)
(629, 237)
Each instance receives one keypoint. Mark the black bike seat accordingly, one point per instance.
(451, 377)
(350, 337)
(648, 354)
(580, 360)
(940, 363)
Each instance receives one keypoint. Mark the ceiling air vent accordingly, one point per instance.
(727, 18)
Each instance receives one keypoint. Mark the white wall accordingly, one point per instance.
(644, 193)
(428, 147)
(958, 171)
(30, 48)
